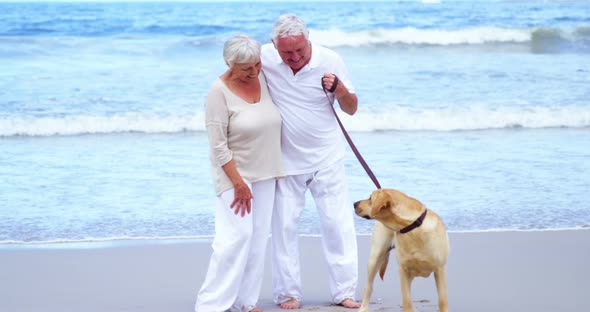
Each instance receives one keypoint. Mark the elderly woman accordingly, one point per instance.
(244, 131)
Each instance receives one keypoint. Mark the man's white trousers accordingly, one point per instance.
(236, 268)
(330, 192)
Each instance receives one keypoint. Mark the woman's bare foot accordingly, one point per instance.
(349, 303)
(256, 309)
(291, 304)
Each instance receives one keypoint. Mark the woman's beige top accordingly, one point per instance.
(248, 133)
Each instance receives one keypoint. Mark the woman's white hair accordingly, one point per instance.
(241, 49)
(289, 25)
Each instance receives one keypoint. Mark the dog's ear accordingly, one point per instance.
(379, 200)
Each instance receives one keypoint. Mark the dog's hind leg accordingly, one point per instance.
(441, 288)
(381, 240)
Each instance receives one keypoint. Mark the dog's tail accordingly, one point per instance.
(385, 262)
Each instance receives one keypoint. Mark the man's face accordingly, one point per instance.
(295, 51)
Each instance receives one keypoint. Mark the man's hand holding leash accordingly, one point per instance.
(348, 101)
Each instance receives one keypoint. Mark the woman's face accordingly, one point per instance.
(246, 72)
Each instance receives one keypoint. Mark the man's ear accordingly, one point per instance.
(379, 200)
(274, 43)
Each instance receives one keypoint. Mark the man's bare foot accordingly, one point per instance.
(291, 304)
(349, 303)
(256, 309)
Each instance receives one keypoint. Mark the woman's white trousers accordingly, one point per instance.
(236, 268)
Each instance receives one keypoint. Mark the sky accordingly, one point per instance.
(106, 1)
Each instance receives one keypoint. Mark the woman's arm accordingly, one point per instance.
(217, 122)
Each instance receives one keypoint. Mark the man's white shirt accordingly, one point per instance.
(311, 138)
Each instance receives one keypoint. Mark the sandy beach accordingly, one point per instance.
(491, 271)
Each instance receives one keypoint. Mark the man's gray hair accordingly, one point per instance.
(289, 25)
(241, 49)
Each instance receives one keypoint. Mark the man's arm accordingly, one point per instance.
(348, 101)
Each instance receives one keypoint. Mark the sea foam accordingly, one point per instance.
(394, 119)
(88, 124)
(539, 39)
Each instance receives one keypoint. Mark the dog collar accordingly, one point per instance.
(415, 224)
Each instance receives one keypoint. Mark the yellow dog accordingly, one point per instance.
(420, 239)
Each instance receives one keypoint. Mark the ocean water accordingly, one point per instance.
(480, 109)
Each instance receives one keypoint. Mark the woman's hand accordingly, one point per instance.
(242, 202)
(242, 199)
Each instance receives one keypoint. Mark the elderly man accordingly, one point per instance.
(313, 152)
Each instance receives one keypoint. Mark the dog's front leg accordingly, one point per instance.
(381, 241)
(441, 288)
(406, 279)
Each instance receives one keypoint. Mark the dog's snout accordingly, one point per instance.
(359, 211)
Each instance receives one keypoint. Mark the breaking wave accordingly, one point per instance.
(395, 119)
(538, 39)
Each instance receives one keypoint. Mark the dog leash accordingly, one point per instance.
(348, 139)
(418, 222)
